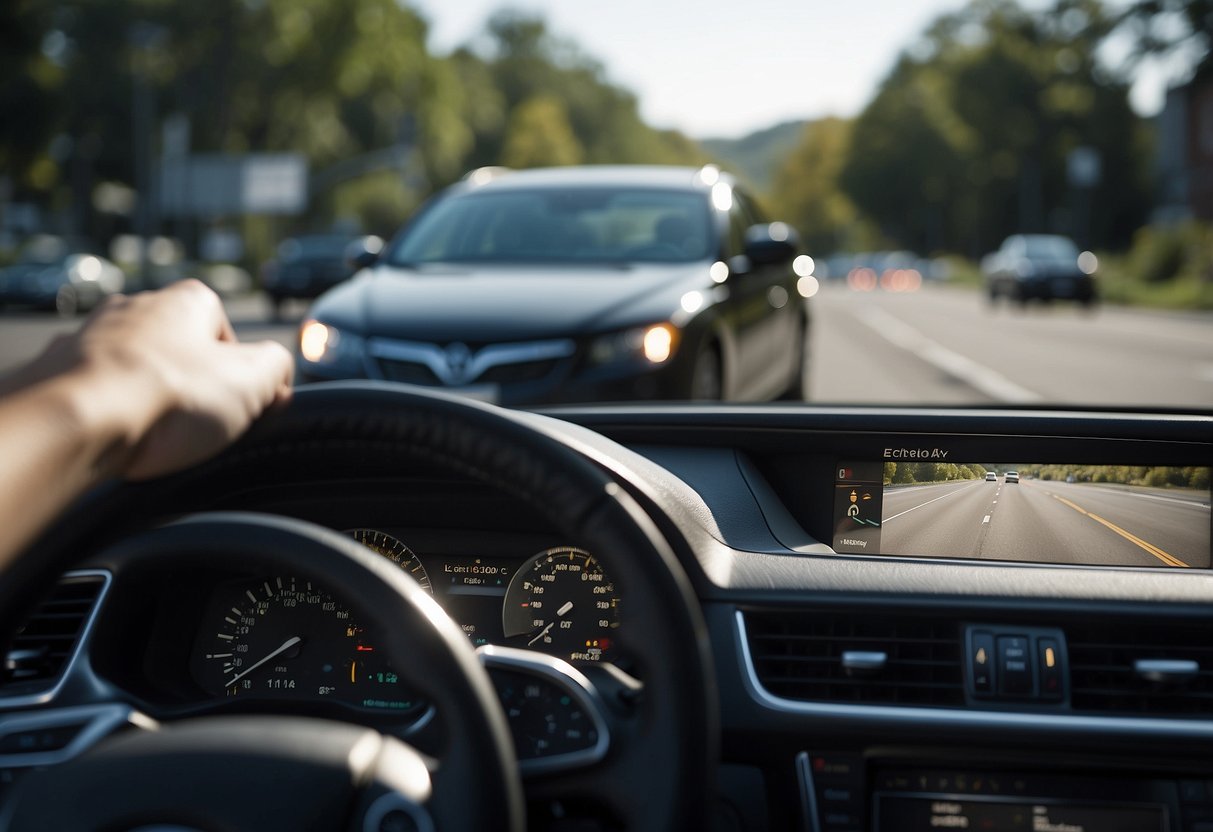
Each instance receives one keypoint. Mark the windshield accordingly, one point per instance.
(931, 202)
(580, 226)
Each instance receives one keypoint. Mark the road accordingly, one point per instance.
(945, 345)
(941, 345)
(1050, 522)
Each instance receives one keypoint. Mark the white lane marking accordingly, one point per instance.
(985, 520)
(927, 503)
(995, 502)
(1191, 503)
(984, 379)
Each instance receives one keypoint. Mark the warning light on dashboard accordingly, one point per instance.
(1050, 657)
(844, 473)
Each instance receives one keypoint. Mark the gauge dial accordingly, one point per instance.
(562, 603)
(283, 638)
(395, 551)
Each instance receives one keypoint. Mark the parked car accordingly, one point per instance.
(308, 265)
(59, 274)
(1042, 267)
(623, 283)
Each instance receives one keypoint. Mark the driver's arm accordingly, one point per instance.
(150, 384)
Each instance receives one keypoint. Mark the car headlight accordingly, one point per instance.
(653, 345)
(320, 343)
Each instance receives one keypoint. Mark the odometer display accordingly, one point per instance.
(562, 603)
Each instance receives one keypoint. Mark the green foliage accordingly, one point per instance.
(539, 135)
(1160, 254)
(807, 193)
(968, 137)
(1136, 475)
(904, 475)
(890, 471)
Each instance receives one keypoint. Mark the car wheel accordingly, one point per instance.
(671, 728)
(67, 302)
(707, 376)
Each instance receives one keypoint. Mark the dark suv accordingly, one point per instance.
(576, 284)
(1040, 267)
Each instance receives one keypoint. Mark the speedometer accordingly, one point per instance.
(284, 638)
(561, 602)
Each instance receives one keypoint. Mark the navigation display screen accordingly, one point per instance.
(915, 814)
(1112, 515)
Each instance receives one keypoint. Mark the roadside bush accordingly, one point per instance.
(1163, 253)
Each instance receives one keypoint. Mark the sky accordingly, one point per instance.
(722, 71)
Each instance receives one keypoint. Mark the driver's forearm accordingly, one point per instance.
(58, 438)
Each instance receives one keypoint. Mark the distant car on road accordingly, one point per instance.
(1042, 267)
(307, 266)
(1011, 476)
(602, 283)
(991, 476)
(54, 273)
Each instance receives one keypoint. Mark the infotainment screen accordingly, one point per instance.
(1114, 515)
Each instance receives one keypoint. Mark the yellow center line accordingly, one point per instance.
(1168, 559)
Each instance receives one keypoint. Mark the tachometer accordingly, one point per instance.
(561, 602)
(395, 551)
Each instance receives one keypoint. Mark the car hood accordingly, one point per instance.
(481, 304)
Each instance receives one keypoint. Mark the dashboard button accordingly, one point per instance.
(1048, 659)
(1014, 666)
(981, 662)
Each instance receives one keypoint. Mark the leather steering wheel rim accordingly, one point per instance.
(674, 729)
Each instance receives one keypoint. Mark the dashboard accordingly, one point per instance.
(1026, 652)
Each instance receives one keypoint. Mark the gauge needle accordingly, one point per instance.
(568, 605)
(542, 633)
(286, 645)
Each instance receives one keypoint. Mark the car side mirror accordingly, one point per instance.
(363, 252)
(769, 243)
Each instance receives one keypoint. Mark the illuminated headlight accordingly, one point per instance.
(323, 344)
(654, 344)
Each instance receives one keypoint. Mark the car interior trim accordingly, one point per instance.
(570, 680)
(91, 723)
(1066, 723)
(69, 666)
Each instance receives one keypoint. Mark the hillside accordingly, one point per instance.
(757, 157)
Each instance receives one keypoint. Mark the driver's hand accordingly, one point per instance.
(166, 373)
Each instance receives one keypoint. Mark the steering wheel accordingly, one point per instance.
(343, 776)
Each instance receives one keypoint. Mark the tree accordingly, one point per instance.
(807, 193)
(967, 139)
(539, 134)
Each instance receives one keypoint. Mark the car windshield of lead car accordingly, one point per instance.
(577, 226)
(938, 202)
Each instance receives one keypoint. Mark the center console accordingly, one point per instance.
(848, 793)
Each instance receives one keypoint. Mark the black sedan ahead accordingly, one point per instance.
(576, 284)
(1042, 267)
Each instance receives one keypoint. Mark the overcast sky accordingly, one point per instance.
(725, 73)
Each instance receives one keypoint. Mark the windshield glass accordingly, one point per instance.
(925, 202)
(580, 226)
(1050, 248)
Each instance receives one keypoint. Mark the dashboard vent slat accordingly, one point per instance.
(1104, 679)
(42, 646)
(798, 655)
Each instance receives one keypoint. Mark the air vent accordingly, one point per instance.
(43, 645)
(860, 658)
(1155, 668)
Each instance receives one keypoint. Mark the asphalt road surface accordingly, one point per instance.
(945, 345)
(937, 346)
(1050, 522)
